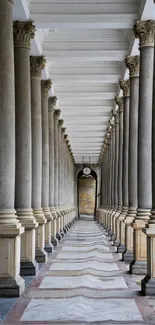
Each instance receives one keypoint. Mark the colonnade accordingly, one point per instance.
(36, 161)
(128, 163)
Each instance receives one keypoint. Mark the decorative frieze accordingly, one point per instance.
(37, 64)
(23, 32)
(132, 63)
(145, 30)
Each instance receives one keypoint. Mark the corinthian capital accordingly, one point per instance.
(46, 86)
(23, 32)
(144, 30)
(125, 86)
(61, 123)
(63, 130)
(119, 102)
(132, 63)
(57, 113)
(37, 63)
(52, 102)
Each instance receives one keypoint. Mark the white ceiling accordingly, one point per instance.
(85, 43)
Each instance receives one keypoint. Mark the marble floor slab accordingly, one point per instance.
(84, 243)
(84, 248)
(90, 281)
(82, 309)
(78, 266)
(96, 254)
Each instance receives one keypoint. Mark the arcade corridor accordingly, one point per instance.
(83, 282)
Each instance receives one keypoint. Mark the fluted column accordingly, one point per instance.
(119, 102)
(37, 63)
(60, 125)
(114, 217)
(132, 63)
(145, 31)
(112, 123)
(125, 86)
(23, 33)
(52, 104)
(148, 283)
(56, 170)
(45, 87)
(11, 284)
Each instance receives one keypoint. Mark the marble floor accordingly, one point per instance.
(83, 282)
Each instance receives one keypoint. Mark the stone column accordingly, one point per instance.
(37, 63)
(23, 33)
(148, 283)
(63, 179)
(52, 104)
(45, 87)
(60, 125)
(56, 170)
(11, 284)
(116, 116)
(119, 102)
(125, 86)
(112, 122)
(145, 31)
(132, 63)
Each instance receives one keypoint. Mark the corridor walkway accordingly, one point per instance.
(84, 281)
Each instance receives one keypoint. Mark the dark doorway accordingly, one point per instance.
(87, 193)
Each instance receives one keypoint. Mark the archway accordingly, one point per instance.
(87, 193)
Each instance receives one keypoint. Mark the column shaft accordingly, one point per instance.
(11, 284)
(37, 64)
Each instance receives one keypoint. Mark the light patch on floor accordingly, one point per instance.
(87, 249)
(82, 256)
(82, 309)
(54, 282)
(79, 266)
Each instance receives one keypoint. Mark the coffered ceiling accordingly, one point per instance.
(85, 43)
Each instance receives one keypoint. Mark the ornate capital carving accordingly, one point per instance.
(37, 63)
(46, 86)
(119, 102)
(125, 86)
(132, 63)
(23, 32)
(144, 30)
(63, 130)
(57, 113)
(61, 123)
(115, 114)
(52, 101)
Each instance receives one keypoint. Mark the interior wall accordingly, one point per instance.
(87, 192)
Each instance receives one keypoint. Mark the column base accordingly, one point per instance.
(62, 233)
(28, 268)
(116, 242)
(121, 248)
(127, 256)
(41, 255)
(64, 230)
(148, 286)
(48, 248)
(11, 287)
(58, 236)
(138, 267)
(113, 237)
(54, 241)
